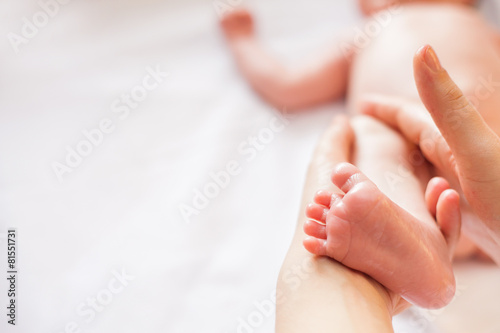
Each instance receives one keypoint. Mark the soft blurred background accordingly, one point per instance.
(115, 116)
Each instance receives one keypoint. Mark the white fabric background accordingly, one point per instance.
(119, 210)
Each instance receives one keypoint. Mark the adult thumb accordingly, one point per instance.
(475, 147)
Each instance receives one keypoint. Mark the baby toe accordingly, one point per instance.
(317, 213)
(314, 229)
(315, 246)
(323, 197)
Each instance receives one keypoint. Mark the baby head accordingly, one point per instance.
(369, 7)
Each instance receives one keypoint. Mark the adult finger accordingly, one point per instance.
(413, 121)
(475, 146)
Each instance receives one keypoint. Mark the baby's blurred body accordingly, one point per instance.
(467, 46)
(378, 219)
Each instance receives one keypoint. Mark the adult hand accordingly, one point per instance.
(458, 142)
(335, 146)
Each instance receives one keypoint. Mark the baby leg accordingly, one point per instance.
(396, 242)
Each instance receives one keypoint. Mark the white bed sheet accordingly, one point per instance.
(117, 213)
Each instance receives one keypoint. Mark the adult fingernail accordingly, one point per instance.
(431, 59)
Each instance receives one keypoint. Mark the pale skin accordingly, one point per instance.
(466, 148)
(402, 217)
(330, 297)
(453, 150)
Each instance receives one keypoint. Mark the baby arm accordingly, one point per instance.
(318, 81)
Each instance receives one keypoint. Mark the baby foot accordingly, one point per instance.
(366, 231)
(464, 248)
(238, 24)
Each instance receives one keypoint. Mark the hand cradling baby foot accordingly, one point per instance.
(366, 231)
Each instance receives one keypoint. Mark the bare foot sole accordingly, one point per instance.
(366, 231)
